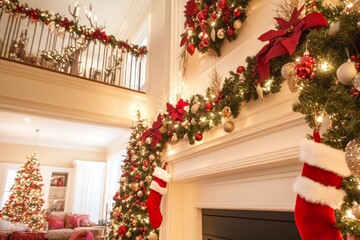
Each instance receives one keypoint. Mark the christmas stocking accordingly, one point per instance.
(318, 190)
(157, 189)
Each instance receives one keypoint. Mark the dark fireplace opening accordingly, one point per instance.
(248, 225)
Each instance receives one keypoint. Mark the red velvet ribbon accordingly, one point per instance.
(177, 113)
(286, 38)
(154, 132)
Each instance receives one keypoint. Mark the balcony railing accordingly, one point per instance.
(53, 46)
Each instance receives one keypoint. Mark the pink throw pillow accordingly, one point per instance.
(84, 220)
(72, 221)
(55, 223)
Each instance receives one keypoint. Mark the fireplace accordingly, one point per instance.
(255, 225)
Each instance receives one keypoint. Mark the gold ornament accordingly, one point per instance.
(229, 126)
(153, 236)
(148, 140)
(174, 138)
(334, 29)
(226, 112)
(134, 222)
(151, 157)
(195, 108)
(237, 24)
(221, 33)
(128, 234)
(141, 183)
(356, 211)
(140, 194)
(293, 83)
(352, 157)
(288, 70)
(193, 121)
(148, 179)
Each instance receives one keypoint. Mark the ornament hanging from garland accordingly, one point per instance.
(209, 23)
(304, 69)
(352, 157)
(346, 73)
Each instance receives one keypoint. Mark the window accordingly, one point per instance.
(10, 180)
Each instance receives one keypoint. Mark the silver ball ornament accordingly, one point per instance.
(352, 157)
(346, 73)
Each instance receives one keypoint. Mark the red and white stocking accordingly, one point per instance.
(157, 189)
(318, 191)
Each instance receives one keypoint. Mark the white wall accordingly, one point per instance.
(56, 157)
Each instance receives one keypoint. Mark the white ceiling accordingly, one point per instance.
(20, 128)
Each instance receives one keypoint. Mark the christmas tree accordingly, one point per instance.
(129, 217)
(26, 200)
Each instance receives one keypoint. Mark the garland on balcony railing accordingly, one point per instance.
(49, 18)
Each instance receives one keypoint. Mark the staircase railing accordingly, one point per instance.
(51, 41)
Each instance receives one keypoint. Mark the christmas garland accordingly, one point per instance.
(316, 75)
(63, 23)
(209, 22)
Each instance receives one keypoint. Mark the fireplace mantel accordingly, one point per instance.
(252, 168)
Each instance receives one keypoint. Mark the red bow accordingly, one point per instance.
(154, 132)
(285, 39)
(177, 113)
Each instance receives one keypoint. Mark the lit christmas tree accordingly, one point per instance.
(129, 217)
(26, 200)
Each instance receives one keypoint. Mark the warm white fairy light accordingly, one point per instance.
(325, 66)
(320, 118)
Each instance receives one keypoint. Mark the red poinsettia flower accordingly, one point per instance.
(285, 39)
(122, 230)
(190, 8)
(154, 132)
(177, 113)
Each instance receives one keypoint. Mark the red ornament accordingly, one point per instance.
(222, 4)
(208, 106)
(145, 163)
(304, 69)
(190, 48)
(205, 42)
(240, 70)
(198, 136)
(230, 32)
(122, 230)
(237, 12)
(214, 16)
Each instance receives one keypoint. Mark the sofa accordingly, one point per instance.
(61, 226)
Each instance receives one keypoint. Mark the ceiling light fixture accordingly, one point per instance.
(27, 119)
